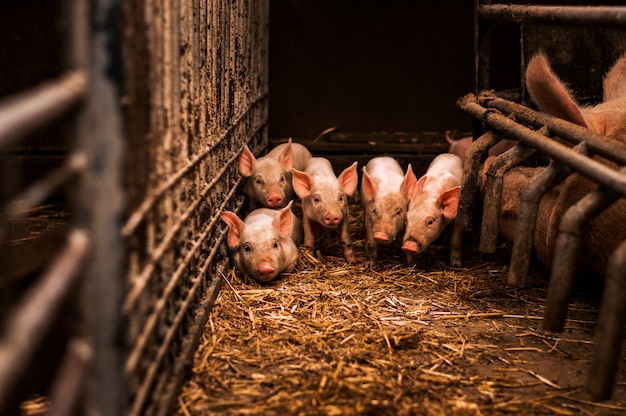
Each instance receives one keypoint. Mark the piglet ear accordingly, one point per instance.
(419, 186)
(615, 81)
(236, 228)
(368, 186)
(449, 202)
(247, 161)
(349, 179)
(408, 183)
(549, 92)
(286, 157)
(284, 221)
(302, 183)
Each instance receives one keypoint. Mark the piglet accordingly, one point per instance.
(385, 191)
(325, 201)
(264, 245)
(433, 205)
(459, 146)
(269, 177)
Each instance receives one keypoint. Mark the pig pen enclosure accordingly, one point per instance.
(121, 124)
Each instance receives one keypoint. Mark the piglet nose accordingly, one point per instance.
(266, 271)
(410, 247)
(381, 237)
(274, 201)
(331, 219)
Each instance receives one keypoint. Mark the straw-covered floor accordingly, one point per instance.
(333, 338)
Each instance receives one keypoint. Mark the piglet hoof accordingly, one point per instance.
(455, 261)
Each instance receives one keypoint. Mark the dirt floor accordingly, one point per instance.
(333, 339)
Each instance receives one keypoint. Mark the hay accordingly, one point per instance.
(333, 338)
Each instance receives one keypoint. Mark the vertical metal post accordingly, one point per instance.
(101, 188)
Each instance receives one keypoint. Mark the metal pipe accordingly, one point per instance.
(568, 246)
(34, 316)
(527, 219)
(611, 149)
(609, 327)
(493, 194)
(607, 16)
(469, 182)
(22, 114)
(588, 167)
(67, 387)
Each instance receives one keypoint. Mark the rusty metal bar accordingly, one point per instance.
(611, 149)
(607, 16)
(567, 248)
(563, 154)
(144, 391)
(66, 390)
(609, 327)
(23, 113)
(469, 181)
(493, 194)
(140, 213)
(33, 317)
(143, 279)
(39, 191)
(527, 220)
(174, 281)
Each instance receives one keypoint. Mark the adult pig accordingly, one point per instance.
(269, 177)
(264, 245)
(385, 191)
(433, 205)
(325, 201)
(606, 231)
(459, 146)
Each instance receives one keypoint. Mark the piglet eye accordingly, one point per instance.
(316, 198)
(247, 248)
(275, 245)
(282, 179)
(340, 198)
(430, 221)
(258, 180)
(398, 212)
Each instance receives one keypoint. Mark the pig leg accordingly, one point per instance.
(456, 245)
(346, 241)
(309, 233)
(371, 248)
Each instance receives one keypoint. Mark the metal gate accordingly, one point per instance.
(157, 100)
(564, 31)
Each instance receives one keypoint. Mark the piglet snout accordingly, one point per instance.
(410, 247)
(381, 237)
(274, 201)
(332, 219)
(266, 271)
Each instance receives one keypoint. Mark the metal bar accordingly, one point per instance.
(527, 221)
(67, 388)
(609, 327)
(173, 282)
(607, 16)
(34, 316)
(563, 154)
(140, 213)
(142, 280)
(39, 191)
(22, 114)
(190, 344)
(493, 194)
(567, 249)
(144, 390)
(599, 144)
(473, 156)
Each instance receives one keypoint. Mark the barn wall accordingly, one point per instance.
(196, 93)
